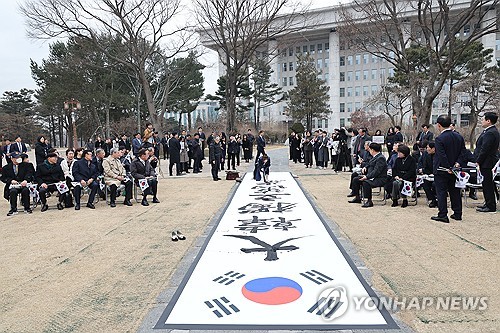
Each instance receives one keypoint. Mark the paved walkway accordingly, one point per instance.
(279, 162)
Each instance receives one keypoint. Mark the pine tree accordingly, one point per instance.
(309, 98)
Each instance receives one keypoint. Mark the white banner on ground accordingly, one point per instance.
(272, 263)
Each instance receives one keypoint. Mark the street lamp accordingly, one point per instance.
(73, 105)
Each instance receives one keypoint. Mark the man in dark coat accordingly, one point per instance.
(197, 151)
(174, 150)
(7, 151)
(48, 174)
(215, 156)
(16, 175)
(232, 150)
(425, 167)
(359, 143)
(85, 173)
(450, 147)
(142, 169)
(374, 175)
(486, 154)
(261, 144)
(424, 136)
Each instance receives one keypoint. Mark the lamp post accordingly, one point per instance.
(73, 105)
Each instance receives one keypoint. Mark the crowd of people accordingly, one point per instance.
(110, 168)
(441, 166)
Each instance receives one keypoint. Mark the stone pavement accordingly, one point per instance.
(279, 163)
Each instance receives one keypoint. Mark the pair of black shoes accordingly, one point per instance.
(177, 235)
(484, 209)
(395, 203)
(217, 179)
(89, 205)
(445, 219)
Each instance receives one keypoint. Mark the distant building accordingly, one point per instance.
(206, 111)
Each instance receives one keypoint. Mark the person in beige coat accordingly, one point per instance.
(115, 175)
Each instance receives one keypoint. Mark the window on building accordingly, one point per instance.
(349, 107)
(342, 92)
(366, 58)
(365, 74)
(326, 62)
(391, 72)
(466, 30)
(327, 46)
(391, 54)
(374, 74)
(348, 120)
(319, 63)
(374, 59)
(279, 67)
(357, 91)
(365, 90)
(349, 91)
(342, 122)
(382, 74)
(285, 79)
(374, 89)
(290, 66)
(349, 60)
(290, 81)
(327, 77)
(497, 45)
(325, 123)
(290, 51)
(283, 53)
(464, 120)
(342, 60)
(320, 48)
(357, 75)
(342, 76)
(297, 50)
(349, 76)
(304, 49)
(358, 59)
(342, 107)
(357, 106)
(284, 67)
(311, 49)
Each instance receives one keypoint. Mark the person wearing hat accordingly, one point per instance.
(48, 174)
(16, 176)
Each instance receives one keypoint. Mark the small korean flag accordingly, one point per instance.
(102, 185)
(33, 190)
(407, 189)
(62, 187)
(420, 181)
(480, 177)
(143, 183)
(496, 169)
(462, 179)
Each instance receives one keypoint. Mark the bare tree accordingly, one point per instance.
(422, 39)
(140, 25)
(395, 102)
(238, 28)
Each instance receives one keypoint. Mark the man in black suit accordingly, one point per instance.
(174, 150)
(16, 176)
(374, 175)
(214, 157)
(425, 167)
(7, 151)
(359, 144)
(450, 148)
(424, 136)
(85, 173)
(19, 146)
(48, 174)
(142, 169)
(196, 145)
(398, 136)
(486, 154)
(261, 145)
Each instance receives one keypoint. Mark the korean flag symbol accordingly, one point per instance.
(33, 191)
(496, 169)
(143, 184)
(62, 187)
(462, 179)
(272, 290)
(406, 190)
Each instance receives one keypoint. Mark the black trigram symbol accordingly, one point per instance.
(223, 304)
(326, 306)
(316, 276)
(228, 278)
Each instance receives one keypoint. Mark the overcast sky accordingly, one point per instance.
(18, 50)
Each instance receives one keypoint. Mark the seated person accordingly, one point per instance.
(141, 169)
(16, 176)
(425, 168)
(114, 175)
(48, 174)
(67, 167)
(97, 160)
(363, 161)
(374, 175)
(125, 158)
(262, 168)
(405, 169)
(152, 158)
(85, 174)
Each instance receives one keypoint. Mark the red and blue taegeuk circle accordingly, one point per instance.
(272, 290)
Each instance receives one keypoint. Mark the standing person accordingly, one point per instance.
(295, 148)
(164, 143)
(90, 145)
(174, 150)
(424, 136)
(98, 143)
(108, 144)
(215, 155)
(136, 143)
(238, 149)
(389, 139)
(184, 155)
(450, 146)
(359, 144)
(19, 145)
(251, 138)
(486, 154)
(291, 137)
(232, 149)
(147, 138)
(323, 151)
(261, 144)
(203, 140)
(40, 150)
(246, 144)
(307, 146)
(124, 142)
(7, 151)
(197, 153)
(398, 136)
(16, 175)
(223, 146)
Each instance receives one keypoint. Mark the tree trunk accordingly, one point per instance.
(149, 97)
(450, 100)
(257, 122)
(189, 122)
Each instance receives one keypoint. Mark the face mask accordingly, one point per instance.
(19, 160)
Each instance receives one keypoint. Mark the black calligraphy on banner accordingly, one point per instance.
(256, 207)
(271, 250)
